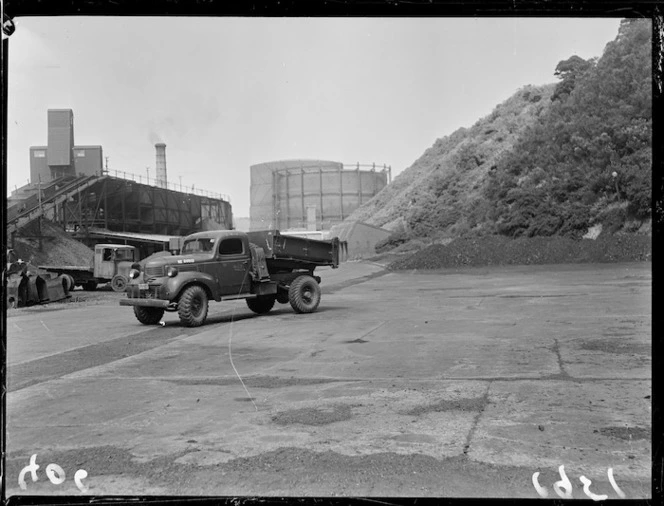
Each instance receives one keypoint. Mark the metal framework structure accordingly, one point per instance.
(280, 202)
(127, 206)
(121, 205)
(298, 194)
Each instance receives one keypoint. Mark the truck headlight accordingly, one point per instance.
(134, 273)
(171, 272)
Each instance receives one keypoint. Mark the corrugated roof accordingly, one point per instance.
(131, 235)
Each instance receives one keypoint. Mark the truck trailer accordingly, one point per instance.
(261, 267)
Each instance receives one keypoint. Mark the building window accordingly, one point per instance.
(40, 154)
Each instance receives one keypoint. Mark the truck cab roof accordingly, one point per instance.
(214, 234)
(119, 246)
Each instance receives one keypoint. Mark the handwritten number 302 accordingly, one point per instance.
(564, 487)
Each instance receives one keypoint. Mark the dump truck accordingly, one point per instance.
(112, 263)
(261, 267)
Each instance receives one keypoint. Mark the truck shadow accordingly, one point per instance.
(245, 314)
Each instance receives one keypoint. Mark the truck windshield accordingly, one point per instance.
(197, 246)
(124, 254)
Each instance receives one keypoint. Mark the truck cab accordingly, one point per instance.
(230, 260)
(113, 262)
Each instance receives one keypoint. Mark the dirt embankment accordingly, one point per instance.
(496, 250)
(57, 248)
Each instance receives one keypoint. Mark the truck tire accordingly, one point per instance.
(68, 283)
(193, 306)
(119, 283)
(304, 294)
(148, 315)
(90, 286)
(261, 304)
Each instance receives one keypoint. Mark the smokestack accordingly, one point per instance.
(161, 178)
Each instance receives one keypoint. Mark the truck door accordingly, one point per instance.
(104, 263)
(234, 266)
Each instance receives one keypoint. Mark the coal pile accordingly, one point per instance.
(498, 250)
(57, 248)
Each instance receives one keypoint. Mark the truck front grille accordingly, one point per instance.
(154, 271)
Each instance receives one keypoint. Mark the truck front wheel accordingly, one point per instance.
(261, 305)
(193, 306)
(119, 283)
(304, 294)
(148, 315)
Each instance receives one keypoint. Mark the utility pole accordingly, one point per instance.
(106, 157)
(147, 169)
(41, 212)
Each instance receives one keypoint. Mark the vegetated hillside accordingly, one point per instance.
(446, 182)
(550, 161)
(588, 161)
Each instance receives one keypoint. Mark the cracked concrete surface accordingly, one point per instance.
(451, 383)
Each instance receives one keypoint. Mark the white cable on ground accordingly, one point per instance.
(230, 354)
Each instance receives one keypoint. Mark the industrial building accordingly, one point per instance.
(61, 157)
(70, 186)
(310, 194)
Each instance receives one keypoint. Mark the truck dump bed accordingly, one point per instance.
(290, 252)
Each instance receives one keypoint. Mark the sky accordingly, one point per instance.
(227, 93)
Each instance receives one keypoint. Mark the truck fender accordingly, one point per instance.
(180, 282)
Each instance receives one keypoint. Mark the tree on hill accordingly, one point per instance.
(568, 71)
(591, 150)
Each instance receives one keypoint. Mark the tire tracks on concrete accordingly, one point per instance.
(56, 366)
(337, 287)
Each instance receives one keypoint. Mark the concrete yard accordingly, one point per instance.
(457, 383)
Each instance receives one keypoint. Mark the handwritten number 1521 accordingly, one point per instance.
(563, 487)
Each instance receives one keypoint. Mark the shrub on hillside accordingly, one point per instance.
(395, 239)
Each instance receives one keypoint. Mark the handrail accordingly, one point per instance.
(47, 198)
(128, 176)
(35, 212)
(372, 166)
(346, 166)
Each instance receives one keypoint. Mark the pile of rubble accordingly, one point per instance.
(498, 250)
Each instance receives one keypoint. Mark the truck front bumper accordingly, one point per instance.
(145, 302)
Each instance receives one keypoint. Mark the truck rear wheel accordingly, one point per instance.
(193, 306)
(148, 315)
(261, 304)
(304, 294)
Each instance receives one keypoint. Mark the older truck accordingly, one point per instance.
(262, 267)
(112, 262)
